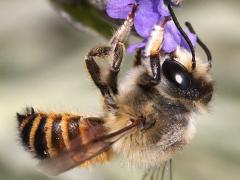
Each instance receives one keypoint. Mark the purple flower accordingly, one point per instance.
(149, 13)
(146, 16)
(173, 38)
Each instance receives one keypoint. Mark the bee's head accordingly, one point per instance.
(181, 81)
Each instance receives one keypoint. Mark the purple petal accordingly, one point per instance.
(171, 37)
(146, 17)
(193, 39)
(119, 8)
(162, 8)
(133, 47)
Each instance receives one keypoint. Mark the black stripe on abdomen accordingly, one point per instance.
(25, 133)
(73, 127)
(40, 142)
(57, 139)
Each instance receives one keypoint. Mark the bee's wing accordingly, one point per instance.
(78, 154)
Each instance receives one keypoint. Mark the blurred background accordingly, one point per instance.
(41, 65)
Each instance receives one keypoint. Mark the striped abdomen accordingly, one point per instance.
(47, 134)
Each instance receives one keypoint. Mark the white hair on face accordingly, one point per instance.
(185, 58)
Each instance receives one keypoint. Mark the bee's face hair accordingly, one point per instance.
(180, 81)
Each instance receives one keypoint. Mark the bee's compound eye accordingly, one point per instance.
(176, 73)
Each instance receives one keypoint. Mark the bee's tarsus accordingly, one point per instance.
(134, 9)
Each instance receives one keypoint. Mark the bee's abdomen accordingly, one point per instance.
(47, 134)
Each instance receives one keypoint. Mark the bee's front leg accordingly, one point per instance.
(147, 81)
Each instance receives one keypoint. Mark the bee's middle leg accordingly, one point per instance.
(118, 53)
(118, 48)
(109, 86)
(96, 74)
(115, 55)
(115, 52)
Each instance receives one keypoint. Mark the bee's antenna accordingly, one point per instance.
(183, 34)
(201, 44)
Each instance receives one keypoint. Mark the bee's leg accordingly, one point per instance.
(155, 69)
(118, 48)
(148, 81)
(152, 54)
(118, 54)
(95, 73)
(115, 50)
(138, 57)
(108, 87)
(121, 35)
